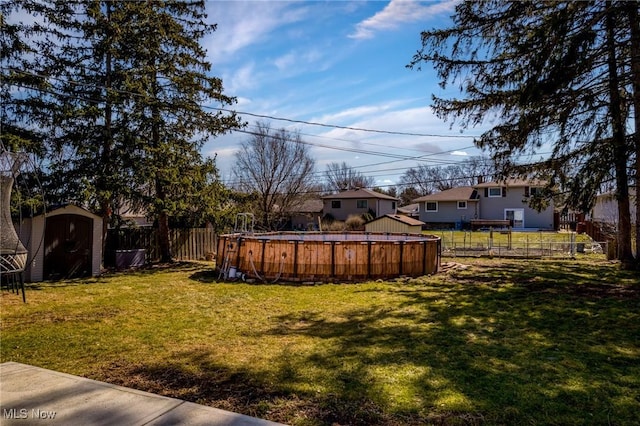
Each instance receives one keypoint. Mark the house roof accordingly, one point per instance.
(313, 205)
(400, 218)
(467, 193)
(359, 193)
(511, 183)
(409, 208)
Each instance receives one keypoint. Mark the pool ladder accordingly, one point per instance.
(228, 271)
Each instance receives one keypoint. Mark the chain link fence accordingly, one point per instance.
(522, 244)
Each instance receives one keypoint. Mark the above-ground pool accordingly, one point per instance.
(327, 256)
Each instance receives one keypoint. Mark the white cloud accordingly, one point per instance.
(386, 117)
(242, 102)
(244, 23)
(242, 79)
(310, 59)
(398, 12)
(286, 61)
(353, 113)
(460, 153)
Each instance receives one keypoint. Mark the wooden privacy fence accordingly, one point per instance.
(185, 244)
(193, 244)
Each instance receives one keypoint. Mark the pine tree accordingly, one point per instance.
(171, 84)
(548, 74)
(124, 104)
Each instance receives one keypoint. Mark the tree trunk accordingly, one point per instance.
(625, 254)
(162, 216)
(105, 159)
(163, 237)
(634, 23)
(161, 194)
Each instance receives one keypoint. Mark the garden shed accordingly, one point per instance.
(394, 223)
(66, 242)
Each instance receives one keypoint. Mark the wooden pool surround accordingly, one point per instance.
(328, 256)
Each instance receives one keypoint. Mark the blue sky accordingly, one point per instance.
(340, 63)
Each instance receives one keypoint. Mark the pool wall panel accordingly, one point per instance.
(329, 257)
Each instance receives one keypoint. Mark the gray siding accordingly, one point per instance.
(494, 207)
(386, 207)
(448, 212)
(349, 207)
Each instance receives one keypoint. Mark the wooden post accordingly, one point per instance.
(295, 258)
(368, 259)
(333, 258)
(237, 265)
(264, 249)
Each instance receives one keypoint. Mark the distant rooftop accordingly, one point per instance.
(359, 193)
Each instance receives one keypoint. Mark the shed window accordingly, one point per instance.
(495, 192)
(336, 204)
(462, 205)
(362, 204)
(431, 206)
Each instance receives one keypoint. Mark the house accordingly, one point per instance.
(504, 203)
(605, 209)
(508, 200)
(358, 202)
(133, 216)
(394, 223)
(66, 242)
(306, 214)
(450, 208)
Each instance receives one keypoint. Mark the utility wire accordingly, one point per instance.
(396, 157)
(233, 111)
(335, 126)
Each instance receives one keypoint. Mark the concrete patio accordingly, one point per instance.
(33, 395)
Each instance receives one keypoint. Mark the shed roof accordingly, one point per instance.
(462, 193)
(400, 218)
(67, 208)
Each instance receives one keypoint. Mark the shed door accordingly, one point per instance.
(68, 244)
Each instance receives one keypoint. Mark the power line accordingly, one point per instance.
(395, 157)
(232, 111)
(335, 126)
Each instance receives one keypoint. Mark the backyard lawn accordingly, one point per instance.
(489, 341)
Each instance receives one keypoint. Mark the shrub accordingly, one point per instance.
(335, 226)
(355, 223)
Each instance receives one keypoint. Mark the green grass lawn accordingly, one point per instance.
(494, 342)
(459, 238)
(524, 244)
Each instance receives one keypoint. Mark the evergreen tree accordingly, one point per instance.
(549, 74)
(128, 87)
(171, 84)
